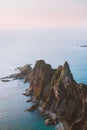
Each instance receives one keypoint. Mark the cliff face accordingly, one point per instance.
(57, 92)
(40, 82)
(66, 98)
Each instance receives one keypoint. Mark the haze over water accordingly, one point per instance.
(18, 48)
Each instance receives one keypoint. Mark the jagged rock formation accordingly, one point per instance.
(40, 81)
(63, 95)
(57, 94)
(67, 98)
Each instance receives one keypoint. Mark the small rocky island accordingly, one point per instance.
(56, 94)
(83, 46)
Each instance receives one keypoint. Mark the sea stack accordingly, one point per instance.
(56, 94)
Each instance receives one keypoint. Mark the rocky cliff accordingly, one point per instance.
(57, 95)
(40, 82)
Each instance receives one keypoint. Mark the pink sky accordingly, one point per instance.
(43, 14)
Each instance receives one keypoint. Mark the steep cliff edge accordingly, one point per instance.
(56, 94)
(59, 93)
(67, 98)
(40, 82)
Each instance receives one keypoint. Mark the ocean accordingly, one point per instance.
(18, 48)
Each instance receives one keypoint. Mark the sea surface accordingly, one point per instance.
(18, 48)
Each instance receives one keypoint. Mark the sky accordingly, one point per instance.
(43, 14)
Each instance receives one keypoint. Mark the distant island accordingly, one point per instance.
(55, 94)
(83, 46)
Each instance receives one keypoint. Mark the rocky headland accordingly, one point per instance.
(56, 94)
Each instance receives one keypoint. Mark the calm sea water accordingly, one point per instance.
(22, 47)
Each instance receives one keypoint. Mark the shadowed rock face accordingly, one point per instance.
(56, 91)
(66, 98)
(59, 93)
(40, 82)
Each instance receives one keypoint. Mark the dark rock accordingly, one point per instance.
(32, 108)
(24, 72)
(29, 100)
(8, 78)
(4, 80)
(40, 82)
(83, 46)
(26, 94)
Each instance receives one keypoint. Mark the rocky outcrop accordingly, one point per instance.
(83, 46)
(56, 94)
(32, 108)
(66, 98)
(24, 72)
(40, 83)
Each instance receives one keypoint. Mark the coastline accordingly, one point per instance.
(56, 92)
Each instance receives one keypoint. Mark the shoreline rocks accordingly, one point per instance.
(23, 73)
(29, 100)
(56, 94)
(32, 108)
